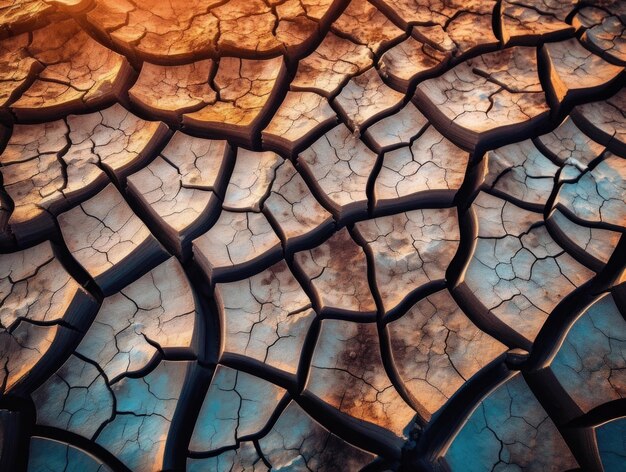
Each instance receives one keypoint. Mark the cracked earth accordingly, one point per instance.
(312, 235)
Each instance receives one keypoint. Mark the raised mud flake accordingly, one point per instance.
(406, 12)
(34, 286)
(332, 63)
(50, 454)
(522, 172)
(504, 428)
(251, 179)
(29, 141)
(299, 118)
(271, 28)
(257, 27)
(154, 314)
(347, 373)
(78, 73)
(570, 145)
(299, 23)
(181, 30)
(588, 16)
(366, 97)
(144, 411)
(409, 61)
(296, 213)
(17, 67)
(471, 32)
(598, 196)
(75, 398)
(175, 30)
(575, 71)
(430, 163)
(523, 24)
(33, 186)
(247, 25)
(316, 9)
(22, 351)
(171, 91)
(131, 418)
(297, 441)
(236, 405)
(560, 9)
(487, 96)
(17, 16)
(365, 24)
(200, 162)
(179, 211)
(514, 257)
(337, 270)
(339, 164)
(468, 31)
(595, 242)
(120, 141)
(50, 166)
(606, 33)
(109, 240)
(80, 173)
(33, 175)
(265, 317)
(436, 349)
(409, 250)
(591, 363)
(237, 241)
(610, 438)
(244, 87)
(498, 217)
(399, 128)
(604, 121)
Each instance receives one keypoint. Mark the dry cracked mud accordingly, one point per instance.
(312, 235)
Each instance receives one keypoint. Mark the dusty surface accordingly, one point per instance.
(312, 235)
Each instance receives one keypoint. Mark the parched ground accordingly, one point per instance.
(312, 235)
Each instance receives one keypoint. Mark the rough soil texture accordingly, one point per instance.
(312, 235)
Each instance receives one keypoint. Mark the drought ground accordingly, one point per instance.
(312, 235)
